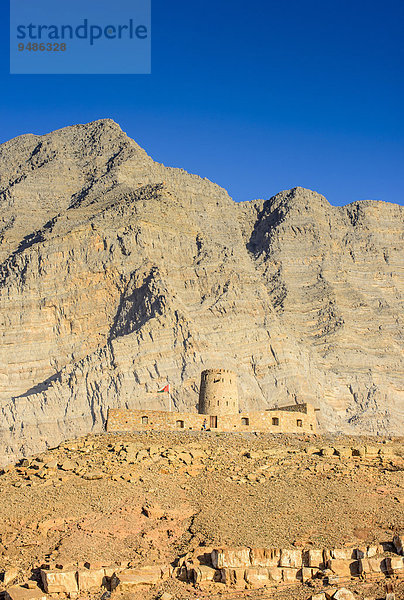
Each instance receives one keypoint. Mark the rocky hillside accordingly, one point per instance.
(118, 274)
(163, 499)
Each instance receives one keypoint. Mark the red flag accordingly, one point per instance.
(166, 388)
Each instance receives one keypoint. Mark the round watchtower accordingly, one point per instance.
(218, 392)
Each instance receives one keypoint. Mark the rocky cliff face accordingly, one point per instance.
(118, 274)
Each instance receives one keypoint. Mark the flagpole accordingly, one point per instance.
(169, 398)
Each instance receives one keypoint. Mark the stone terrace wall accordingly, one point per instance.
(238, 567)
(270, 421)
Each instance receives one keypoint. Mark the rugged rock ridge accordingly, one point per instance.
(117, 273)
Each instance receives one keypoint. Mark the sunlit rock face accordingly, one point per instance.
(118, 274)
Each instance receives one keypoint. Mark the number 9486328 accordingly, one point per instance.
(42, 47)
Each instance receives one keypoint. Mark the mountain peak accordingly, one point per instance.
(117, 272)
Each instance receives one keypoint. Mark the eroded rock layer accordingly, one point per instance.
(118, 274)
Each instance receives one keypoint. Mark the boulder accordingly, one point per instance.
(89, 579)
(340, 567)
(18, 592)
(386, 453)
(56, 581)
(371, 451)
(307, 573)
(327, 451)
(10, 576)
(343, 594)
(313, 558)
(181, 573)
(361, 552)
(166, 571)
(68, 465)
(197, 453)
(109, 571)
(329, 593)
(203, 554)
(290, 558)
(185, 457)
(320, 596)
(153, 512)
(234, 577)
(275, 574)
(93, 476)
(257, 576)
(359, 451)
(265, 557)
(140, 455)
(201, 573)
(398, 542)
(291, 575)
(394, 564)
(367, 566)
(342, 553)
(154, 451)
(230, 557)
(377, 565)
(312, 450)
(343, 453)
(129, 578)
(374, 550)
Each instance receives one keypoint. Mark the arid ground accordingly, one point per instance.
(149, 498)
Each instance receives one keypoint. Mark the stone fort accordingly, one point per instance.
(218, 410)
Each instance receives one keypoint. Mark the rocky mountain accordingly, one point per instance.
(118, 274)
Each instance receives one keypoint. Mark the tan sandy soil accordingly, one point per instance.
(87, 499)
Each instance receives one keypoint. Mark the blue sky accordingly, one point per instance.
(258, 96)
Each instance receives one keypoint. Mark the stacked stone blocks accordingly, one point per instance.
(241, 567)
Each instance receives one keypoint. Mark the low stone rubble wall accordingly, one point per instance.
(239, 567)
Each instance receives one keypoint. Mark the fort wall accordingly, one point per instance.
(299, 418)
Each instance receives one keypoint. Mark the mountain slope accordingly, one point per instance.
(127, 273)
